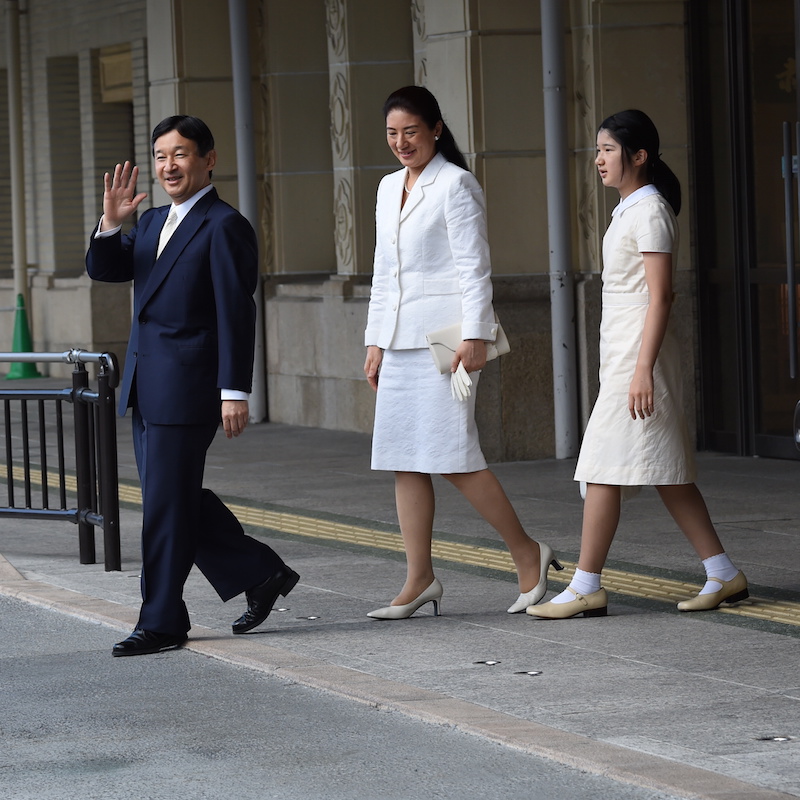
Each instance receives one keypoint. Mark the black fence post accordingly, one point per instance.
(83, 473)
(107, 469)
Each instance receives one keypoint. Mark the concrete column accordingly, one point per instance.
(367, 60)
(20, 253)
(188, 76)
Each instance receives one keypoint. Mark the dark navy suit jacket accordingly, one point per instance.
(193, 325)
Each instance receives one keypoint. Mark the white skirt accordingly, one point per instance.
(419, 427)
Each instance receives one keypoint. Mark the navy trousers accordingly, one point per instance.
(185, 524)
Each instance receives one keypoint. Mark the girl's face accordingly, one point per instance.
(410, 139)
(617, 170)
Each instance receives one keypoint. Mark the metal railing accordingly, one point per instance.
(95, 482)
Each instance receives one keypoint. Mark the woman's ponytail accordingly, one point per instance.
(449, 149)
(667, 183)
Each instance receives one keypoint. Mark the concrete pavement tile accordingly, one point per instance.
(241, 650)
(358, 685)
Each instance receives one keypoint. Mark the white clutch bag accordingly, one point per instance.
(444, 343)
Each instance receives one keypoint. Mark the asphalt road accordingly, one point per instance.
(79, 725)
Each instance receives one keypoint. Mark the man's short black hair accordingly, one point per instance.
(190, 128)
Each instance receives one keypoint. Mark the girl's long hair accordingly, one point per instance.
(420, 101)
(635, 131)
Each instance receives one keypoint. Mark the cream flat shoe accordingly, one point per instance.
(433, 594)
(546, 560)
(590, 605)
(729, 592)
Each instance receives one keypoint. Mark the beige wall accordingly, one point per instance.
(321, 70)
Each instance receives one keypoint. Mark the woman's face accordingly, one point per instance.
(410, 139)
(616, 170)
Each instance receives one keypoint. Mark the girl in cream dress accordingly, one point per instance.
(637, 433)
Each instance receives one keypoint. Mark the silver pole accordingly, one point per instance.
(246, 168)
(16, 156)
(562, 301)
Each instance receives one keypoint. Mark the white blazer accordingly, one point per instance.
(432, 266)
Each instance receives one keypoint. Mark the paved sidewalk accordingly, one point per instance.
(688, 704)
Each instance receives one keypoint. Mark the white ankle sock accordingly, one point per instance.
(582, 582)
(719, 566)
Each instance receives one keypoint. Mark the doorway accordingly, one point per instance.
(744, 100)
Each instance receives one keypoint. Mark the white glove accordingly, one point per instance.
(460, 383)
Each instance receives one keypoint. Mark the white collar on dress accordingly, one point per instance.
(634, 197)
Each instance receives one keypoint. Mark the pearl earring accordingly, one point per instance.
(436, 138)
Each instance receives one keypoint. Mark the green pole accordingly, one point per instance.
(22, 344)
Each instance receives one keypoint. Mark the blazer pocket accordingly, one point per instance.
(440, 286)
(195, 356)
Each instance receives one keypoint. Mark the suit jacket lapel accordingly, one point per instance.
(427, 177)
(182, 236)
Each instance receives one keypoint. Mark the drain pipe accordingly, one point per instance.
(248, 195)
(16, 155)
(562, 298)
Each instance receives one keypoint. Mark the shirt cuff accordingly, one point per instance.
(105, 234)
(233, 394)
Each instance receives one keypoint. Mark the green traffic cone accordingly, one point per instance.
(22, 344)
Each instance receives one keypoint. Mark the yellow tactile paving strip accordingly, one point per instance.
(619, 581)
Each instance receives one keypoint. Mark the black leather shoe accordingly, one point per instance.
(141, 643)
(261, 598)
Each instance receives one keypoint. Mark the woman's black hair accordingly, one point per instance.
(419, 101)
(635, 131)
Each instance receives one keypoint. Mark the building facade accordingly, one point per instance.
(717, 77)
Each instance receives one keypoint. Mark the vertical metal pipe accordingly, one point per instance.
(791, 281)
(562, 300)
(246, 169)
(788, 214)
(108, 472)
(26, 453)
(9, 453)
(82, 410)
(62, 475)
(43, 455)
(16, 154)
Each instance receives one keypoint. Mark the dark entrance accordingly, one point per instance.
(745, 115)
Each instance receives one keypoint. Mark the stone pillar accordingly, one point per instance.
(189, 67)
(369, 55)
(482, 60)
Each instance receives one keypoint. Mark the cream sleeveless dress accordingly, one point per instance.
(618, 450)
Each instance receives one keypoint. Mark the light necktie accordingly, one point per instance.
(167, 231)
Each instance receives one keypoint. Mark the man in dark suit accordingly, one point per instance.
(194, 265)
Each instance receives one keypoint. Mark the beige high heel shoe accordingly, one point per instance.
(433, 594)
(590, 605)
(729, 592)
(546, 560)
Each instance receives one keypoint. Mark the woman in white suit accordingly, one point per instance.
(432, 269)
